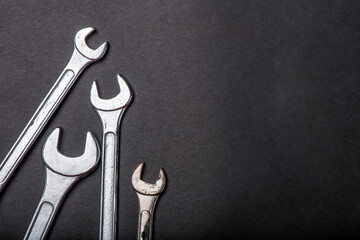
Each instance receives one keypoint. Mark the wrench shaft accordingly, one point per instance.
(56, 188)
(109, 187)
(145, 225)
(42, 115)
(110, 172)
(40, 224)
(147, 205)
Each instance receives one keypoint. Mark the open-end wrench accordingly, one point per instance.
(110, 112)
(81, 58)
(61, 175)
(148, 195)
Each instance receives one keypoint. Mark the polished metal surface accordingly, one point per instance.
(81, 58)
(147, 194)
(62, 173)
(110, 112)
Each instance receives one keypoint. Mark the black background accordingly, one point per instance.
(251, 107)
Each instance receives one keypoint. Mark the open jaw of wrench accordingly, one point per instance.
(80, 59)
(61, 175)
(110, 112)
(147, 194)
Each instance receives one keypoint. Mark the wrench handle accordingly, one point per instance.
(147, 205)
(44, 215)
(109, 187)
(145, 225)
(56, 188)
(42, 115)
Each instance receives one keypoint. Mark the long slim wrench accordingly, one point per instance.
(110, 112)
(61, 175)
(80, 59)
(147, 194)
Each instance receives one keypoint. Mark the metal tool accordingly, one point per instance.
(61, 175)
(110, 112)
(80, 59)
(148, 194)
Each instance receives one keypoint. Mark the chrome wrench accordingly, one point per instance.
(62, 173)
(80, 59)
(110, 112)
(147, 194)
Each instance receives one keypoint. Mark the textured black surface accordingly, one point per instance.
(251, 107)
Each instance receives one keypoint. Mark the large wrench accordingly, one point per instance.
(110, 112)
(61, 175)
(148, 194)
(80, 59)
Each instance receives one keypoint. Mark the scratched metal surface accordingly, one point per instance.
(251, 107)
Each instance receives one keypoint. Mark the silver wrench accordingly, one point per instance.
(80, 59)
(61, 175)
(110, 112)
(148, 194)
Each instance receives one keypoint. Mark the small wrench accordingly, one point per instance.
(61, 175)
(110, 112)
(80, 59)
(148, 195)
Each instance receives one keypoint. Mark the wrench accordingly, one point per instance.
(61, 175)
(110, 112)
(80, 59)
(148, 194)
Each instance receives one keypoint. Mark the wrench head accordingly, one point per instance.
(84, 49)
(122, 100)
(67, 166)
(148, 188)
